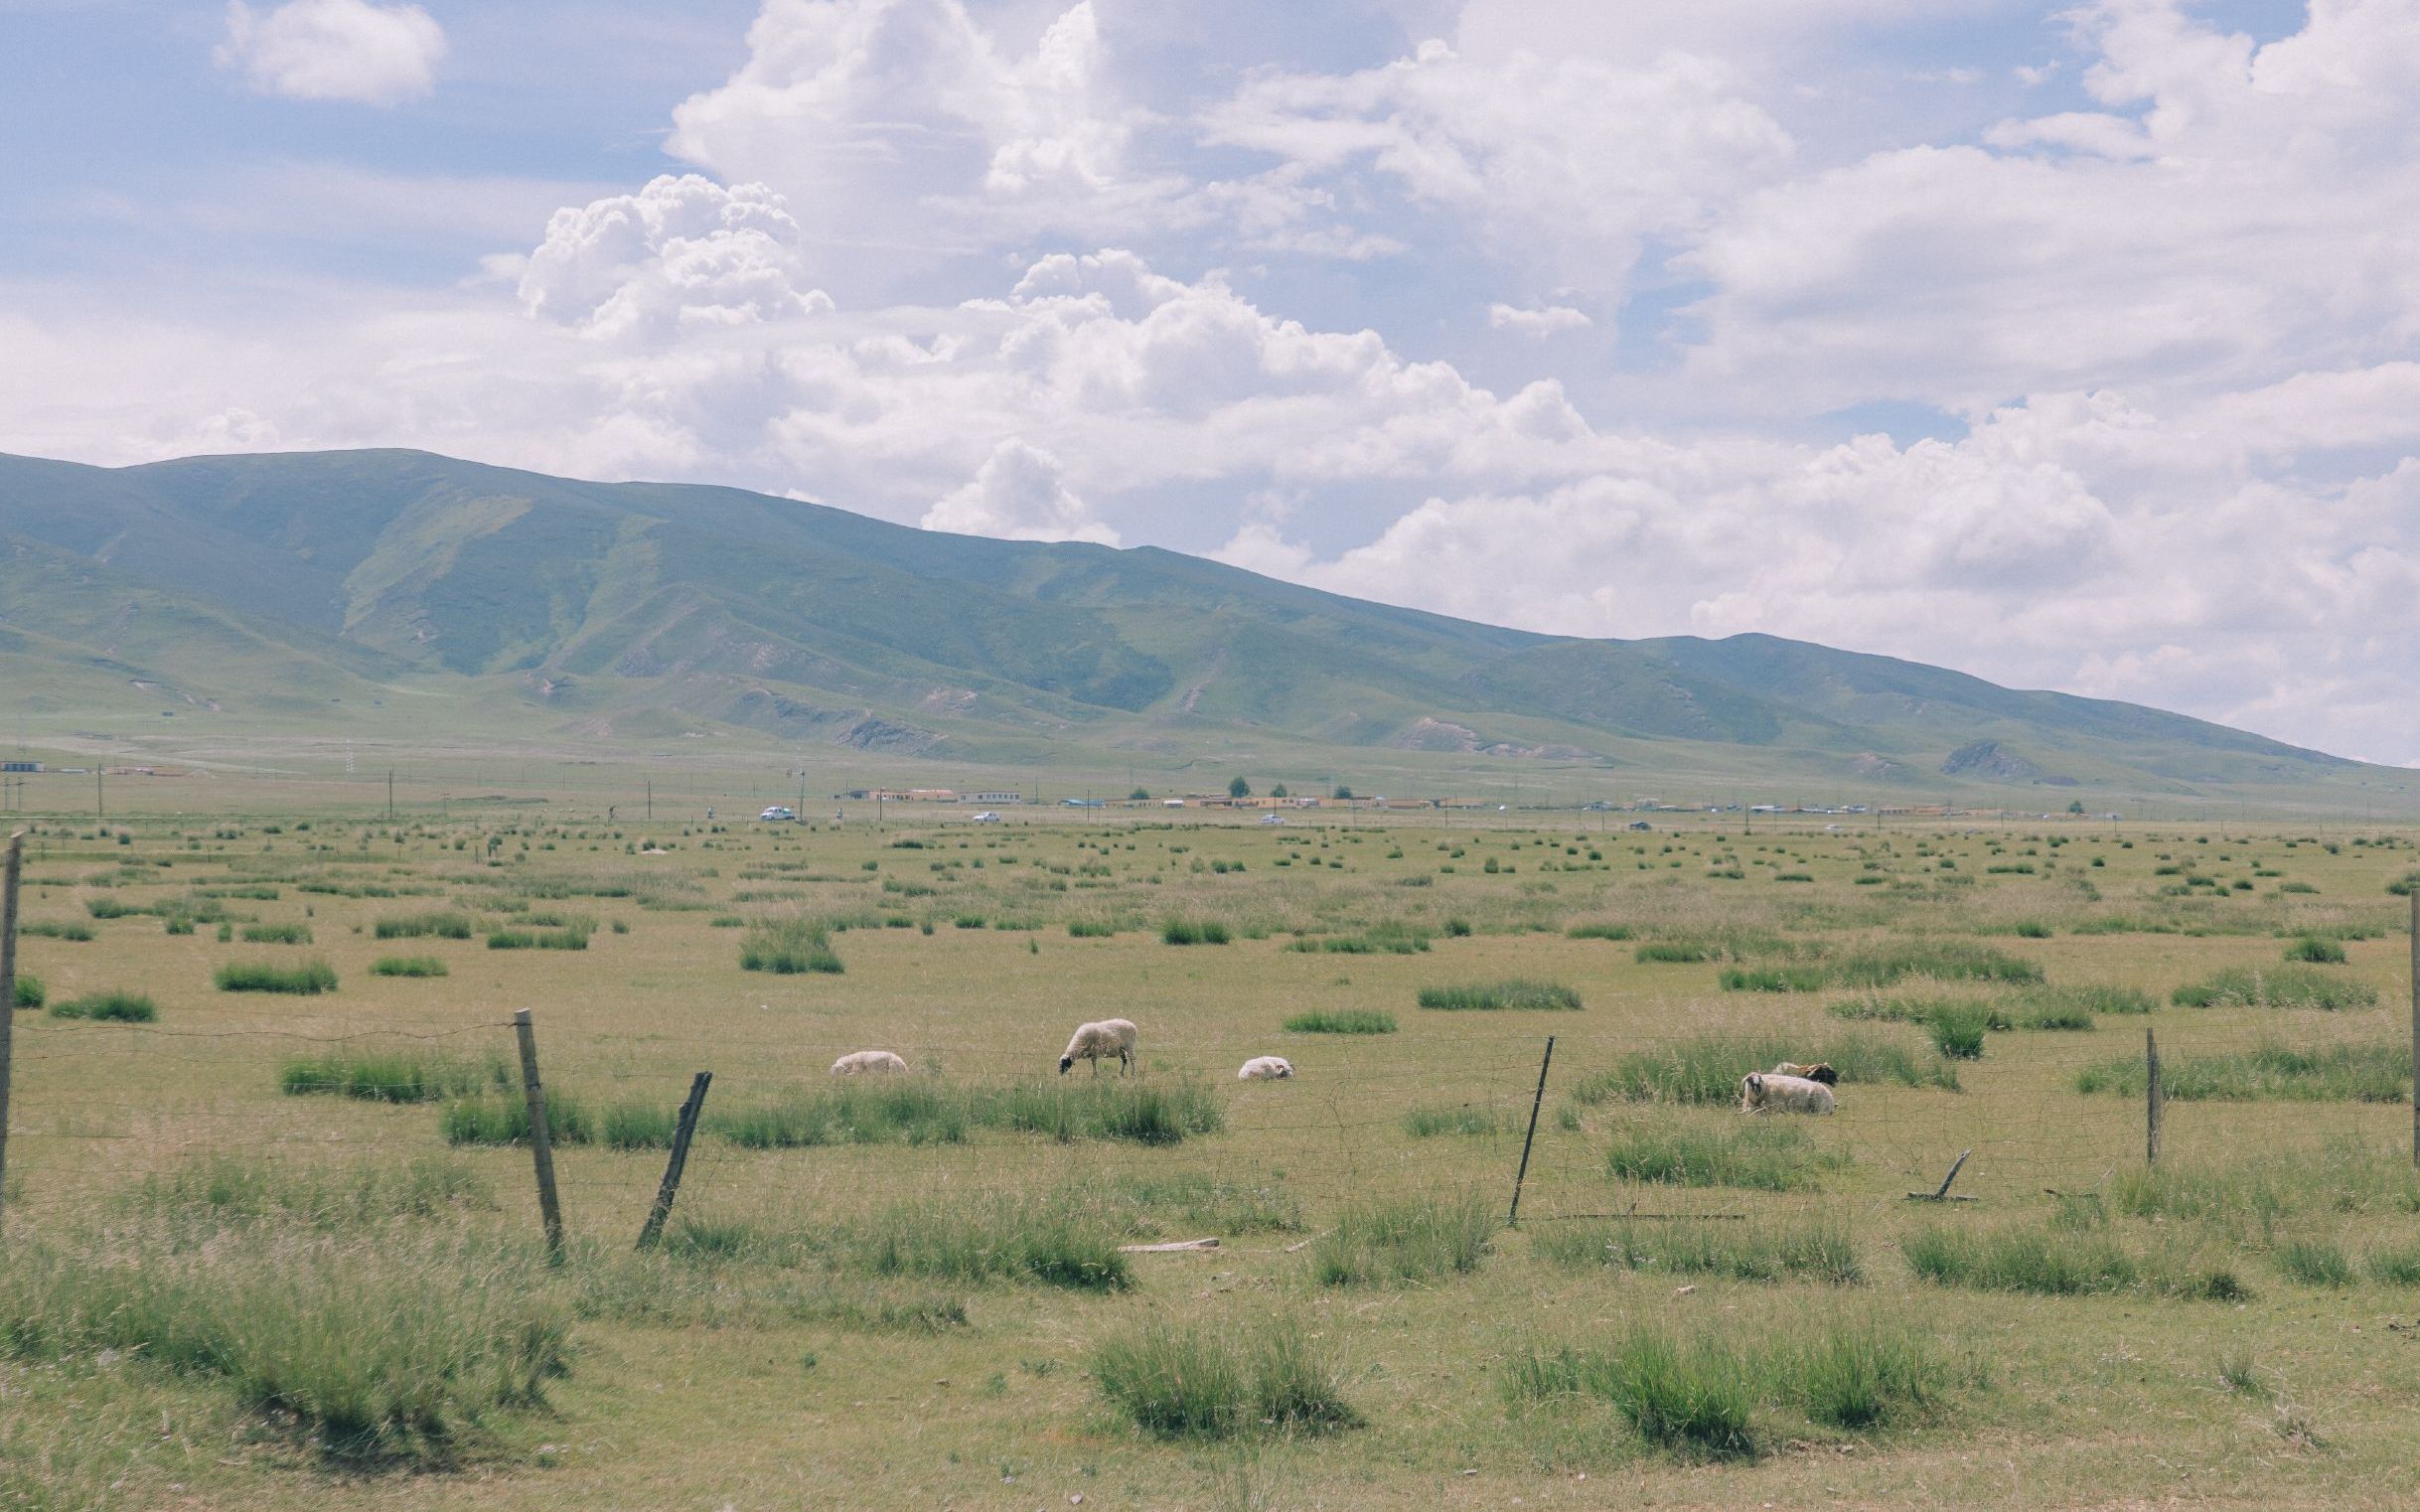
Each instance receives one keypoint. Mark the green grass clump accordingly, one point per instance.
(1673, 953)
(1957, 1029)
(388, 1076)
(1598, 931)
(2351, 1073)
(123, 1007)
(852, 1110)
(572, 939)
(1942, 960)
(232, 1189)
(2053, 1015)
(2393, 1264)
(1773, 979)
(1511, 992)
(2033, 1257)
(407, 966)
(1758, 1155)
(442, 926)
(397, 1347)
(2310, 1260)
(638, 1125)
(1690, 1395)
(30, 992)
(1342, 1021)
(2277, 986)
(1220, 1382)
(502, 1118)
(1416, 1238)
(2080, 998)
(789, 948)
(2315, 950)
(1048, 1240)
(1706, 1068)
(1453, 1119)
(1158, 1113)
(48, 930)
(277, 934)
(1819, 1249)
(309, 978)
(1090, 929)
(1193, 932)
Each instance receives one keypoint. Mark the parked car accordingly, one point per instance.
(778, 814)
(987, 817)
(1272, 818)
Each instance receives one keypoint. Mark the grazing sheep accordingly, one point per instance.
(1096, 1043)
(865, 1062)
(1821, 1071)
(1763, 1092)
(1266, 1068)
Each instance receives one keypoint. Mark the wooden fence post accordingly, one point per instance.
(681, 1132)
(542, 1142)
(8, 990)
(2415, 1026)
(1513, 1219)
(2153, 1099)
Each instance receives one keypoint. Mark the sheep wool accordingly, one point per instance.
(1266, 1068)
(1764, 1091)
(1097, 1043)
(1820, 1071)
(865, 1062)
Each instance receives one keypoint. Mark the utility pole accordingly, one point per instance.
(391, 795)
(100, 806)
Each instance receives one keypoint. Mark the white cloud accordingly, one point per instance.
(335, 50)
(1018, 493)
(680, 254)
(1544, 320)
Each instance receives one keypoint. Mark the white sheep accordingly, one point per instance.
(1266, 1068)
(1096, 1043)
(1763, 1092)
(865, 1062)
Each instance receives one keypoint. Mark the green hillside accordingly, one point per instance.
(294, 590)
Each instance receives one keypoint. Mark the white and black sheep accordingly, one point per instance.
(1820, 1071)
(1097, 1043)
(1266, 1068)
(1763, 1092)
(865, 1062)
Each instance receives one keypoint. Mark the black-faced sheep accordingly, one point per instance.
(1097, 1043)
(1821, 1071)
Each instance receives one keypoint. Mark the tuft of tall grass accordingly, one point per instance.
(1219, 1382)
(852, 1110)
(1453, 1119)
(123, 1007)
(383, 1345)
(1341, 1021)
(309, 978)
(2310, 1261)
(388, 1076)
(2277, 986)
(1599, 930)
(277, 934)
(1512, 992)
(1706, 1068)
(2349, 1073)
(1193, 932)
(30, 992)
(1818, 1249)
(1011, 1237)
(439, 924)
(1758, 1155)
(1773, 979)
(407, 966)
(1957, 1029)
(1414, 1239)
(789, 946)
(1688, 1394)
(2315, 950)
(232, 1189)
(2056, 1260)
(1156, 1113)
(503, 1118)
(1942, 960)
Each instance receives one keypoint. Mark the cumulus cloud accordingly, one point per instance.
(335, 50)
(682, 253)
(1017, 493)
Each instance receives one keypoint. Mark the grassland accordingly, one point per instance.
(275, 1245)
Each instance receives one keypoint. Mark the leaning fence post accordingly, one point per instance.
(1513, 1219)
(8, 989)
(2153, 1099)
(542, 1142)
(2415, 1030)
(671, 1188)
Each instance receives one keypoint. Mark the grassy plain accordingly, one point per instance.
(245, 1267)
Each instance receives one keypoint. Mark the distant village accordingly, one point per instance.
(1278, 799)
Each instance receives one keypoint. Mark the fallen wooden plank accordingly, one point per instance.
(1171, 1247)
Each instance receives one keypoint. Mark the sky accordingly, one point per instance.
(2074, 346)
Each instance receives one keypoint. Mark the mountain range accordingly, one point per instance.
(398, 591)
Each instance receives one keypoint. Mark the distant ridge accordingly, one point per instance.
(284, 586)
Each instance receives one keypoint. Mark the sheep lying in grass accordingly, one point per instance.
(865, 1062)
(1266, 1068)
(1764, 1090)
(1097, 1043)
(1821, 1071)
